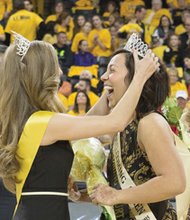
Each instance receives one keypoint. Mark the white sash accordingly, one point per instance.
(140, 211)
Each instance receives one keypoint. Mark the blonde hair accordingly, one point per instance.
(26, 86)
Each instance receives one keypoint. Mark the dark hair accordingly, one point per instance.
(88, 81)
(50, 27)
(76, 107)
(139, 8)
(18, 5)
(186, 53)
(155, 90)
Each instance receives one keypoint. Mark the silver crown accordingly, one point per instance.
(22, 44)
(134, 42)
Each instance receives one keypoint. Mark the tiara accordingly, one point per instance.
(136, 43)
(22, 44)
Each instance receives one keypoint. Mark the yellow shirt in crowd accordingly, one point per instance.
(5, 5)
(176, 87)
(1, 30)
(127, 7)
(180, 29)
(131, 27)
(25, 23)
(105, 37)
(77, 38)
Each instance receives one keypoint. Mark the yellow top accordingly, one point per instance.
(77, 38)
(127, 7)
(177, 86)
(64, 100)
(159, 51)
(28, 146)
(180, 29)
(25, 23)
(131, 27)
(69, 33)
(105, 37)
(5, 6)
(1, 29)
(50, 39)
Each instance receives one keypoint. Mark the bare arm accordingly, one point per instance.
(158, 142)
(101, 106)
(67, 127)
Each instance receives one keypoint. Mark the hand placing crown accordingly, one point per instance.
(135, 43)
(22, 44)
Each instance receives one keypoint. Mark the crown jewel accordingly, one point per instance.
(136, 43)
(22, 44)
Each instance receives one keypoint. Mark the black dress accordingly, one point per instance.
(140, 170)
(49, 172)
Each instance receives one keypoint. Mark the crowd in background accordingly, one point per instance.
(85, 33)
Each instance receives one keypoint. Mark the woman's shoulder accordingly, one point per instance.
(152, 121)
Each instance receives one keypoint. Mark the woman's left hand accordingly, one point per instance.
(104, 195)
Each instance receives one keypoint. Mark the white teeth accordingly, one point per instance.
(108, 87)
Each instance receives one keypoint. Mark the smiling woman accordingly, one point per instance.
(143, 155)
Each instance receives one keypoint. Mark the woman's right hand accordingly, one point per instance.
(145, 67)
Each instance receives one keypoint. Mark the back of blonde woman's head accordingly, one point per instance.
(26, 86)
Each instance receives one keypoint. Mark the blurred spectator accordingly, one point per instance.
(185, 37)
(140, 13)
(163, 30)
(99, 39)
(178, 4)
(180, 29)
(182, 99)
(50, 36)
(83, 57)
(87, 75)
(130, 27)
(58, 8)
(28, 5)
(186, 59)
(6, 7)
(83, 35)
(115, 40)
(172, 54)
(79, 23)
(28, 24)
(38, 6)
(110, 9)
(127, 7)
(63, 24)
(81, 105)
(83, 85)
(64, 53)
(63, 100)
(111, 20)
(178, 10)
(154, 14)
(175, 85)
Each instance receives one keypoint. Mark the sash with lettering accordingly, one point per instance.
(28, 146)
(140, 211)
